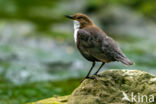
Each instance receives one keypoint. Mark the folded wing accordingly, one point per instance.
(100, 46)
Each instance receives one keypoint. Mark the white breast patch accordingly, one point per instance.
(76, 28)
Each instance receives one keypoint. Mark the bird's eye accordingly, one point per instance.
(79, 17)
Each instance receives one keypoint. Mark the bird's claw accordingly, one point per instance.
(87, 78)
(91, 77)
(99, 75)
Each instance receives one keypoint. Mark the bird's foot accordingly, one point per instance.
(87, 77)
(91, 77)
(97, 75)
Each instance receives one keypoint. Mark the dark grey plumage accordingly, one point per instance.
(94, 44)
(98, 46)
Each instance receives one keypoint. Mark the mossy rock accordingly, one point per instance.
(112, 87)
(53, 100)
(115, 87)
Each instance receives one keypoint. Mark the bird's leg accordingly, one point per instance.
(93, 64)
(99, 68)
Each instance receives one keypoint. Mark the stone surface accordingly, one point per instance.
(112, 87)
(116, 87)
(53, 100)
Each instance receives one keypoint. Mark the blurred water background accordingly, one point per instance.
(38, 56)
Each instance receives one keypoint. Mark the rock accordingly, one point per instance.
(116, 87)
(53, 100)
(112, 87)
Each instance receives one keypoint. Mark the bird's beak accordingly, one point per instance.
(69, 16)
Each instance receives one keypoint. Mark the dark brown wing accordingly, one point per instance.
(84, 43)
(111, 49)
(101, 46)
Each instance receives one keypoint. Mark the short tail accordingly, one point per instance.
(126, 61)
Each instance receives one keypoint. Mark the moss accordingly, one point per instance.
(53, 100)
(109, 87)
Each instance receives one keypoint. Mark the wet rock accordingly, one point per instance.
(116, 87)
(112, 87)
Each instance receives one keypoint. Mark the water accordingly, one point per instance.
(35, 65)
(26, 59)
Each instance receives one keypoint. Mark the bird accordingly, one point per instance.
(94, 44)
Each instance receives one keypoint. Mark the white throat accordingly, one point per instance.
(76, 28)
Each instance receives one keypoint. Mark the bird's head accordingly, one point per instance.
(81, 19)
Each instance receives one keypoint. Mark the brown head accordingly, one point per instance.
(83, 19)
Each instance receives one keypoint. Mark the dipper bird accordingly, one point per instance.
(94, 44)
